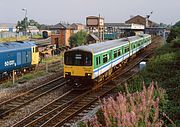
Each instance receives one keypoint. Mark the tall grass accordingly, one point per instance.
(139, 109)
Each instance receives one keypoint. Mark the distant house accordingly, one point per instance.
(62, 33)
(141, 20)
(78, 27)
(33, 30)
(7, 27)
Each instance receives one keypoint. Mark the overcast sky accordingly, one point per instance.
(54, 11)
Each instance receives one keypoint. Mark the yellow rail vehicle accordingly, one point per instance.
(90, 63)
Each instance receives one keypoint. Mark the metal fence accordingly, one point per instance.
(10, 34)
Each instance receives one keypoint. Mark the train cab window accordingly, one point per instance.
(36, 49)
(115, 54)
(87, 60)
(78, 59)
(68, 59)
(105, 58)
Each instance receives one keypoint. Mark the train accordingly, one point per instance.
(92, 63)
(17, 56)
(46, 34)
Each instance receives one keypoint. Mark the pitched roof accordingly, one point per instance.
(61, 26)
(143, 19)
(137, 17)
(94, 36)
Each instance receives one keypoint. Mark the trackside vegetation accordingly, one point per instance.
(139, 109)
(163, 68)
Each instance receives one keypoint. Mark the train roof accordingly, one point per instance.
(16, 45)
(102, 46)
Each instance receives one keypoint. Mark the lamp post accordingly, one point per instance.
(25, 19)
(147, 24)
(147, 18)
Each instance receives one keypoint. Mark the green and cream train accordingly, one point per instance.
(88, 63)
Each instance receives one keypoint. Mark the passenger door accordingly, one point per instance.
(28, 56)
(19, 58)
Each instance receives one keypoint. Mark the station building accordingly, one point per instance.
(119, 30)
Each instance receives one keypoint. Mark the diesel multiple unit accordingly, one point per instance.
(89, 63)
(17, 55)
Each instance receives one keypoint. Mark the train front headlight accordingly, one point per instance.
(67, 74)
(88, 74)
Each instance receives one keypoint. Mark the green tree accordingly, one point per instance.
(174, 33)
(23, 24)
(78, 38)
(177, 24)
(34, 23)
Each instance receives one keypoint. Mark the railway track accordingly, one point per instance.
(52, 67)
(21, 100)
(67, 106)
(57, 113)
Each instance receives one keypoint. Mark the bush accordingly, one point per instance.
(176, 43)
(140, 109)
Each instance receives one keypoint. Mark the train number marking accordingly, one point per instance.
(9, 63)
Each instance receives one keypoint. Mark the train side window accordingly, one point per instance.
(105, 58)
(122, 50)
(126, 49)
(119, 52)
(138, 43)
(134, 46)
(33, 49)
(97, 61)
(115, 53)
(143, 41)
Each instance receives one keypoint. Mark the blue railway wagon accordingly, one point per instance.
(16, 55)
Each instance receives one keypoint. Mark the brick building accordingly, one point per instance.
(61, 34)
(141, 20)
